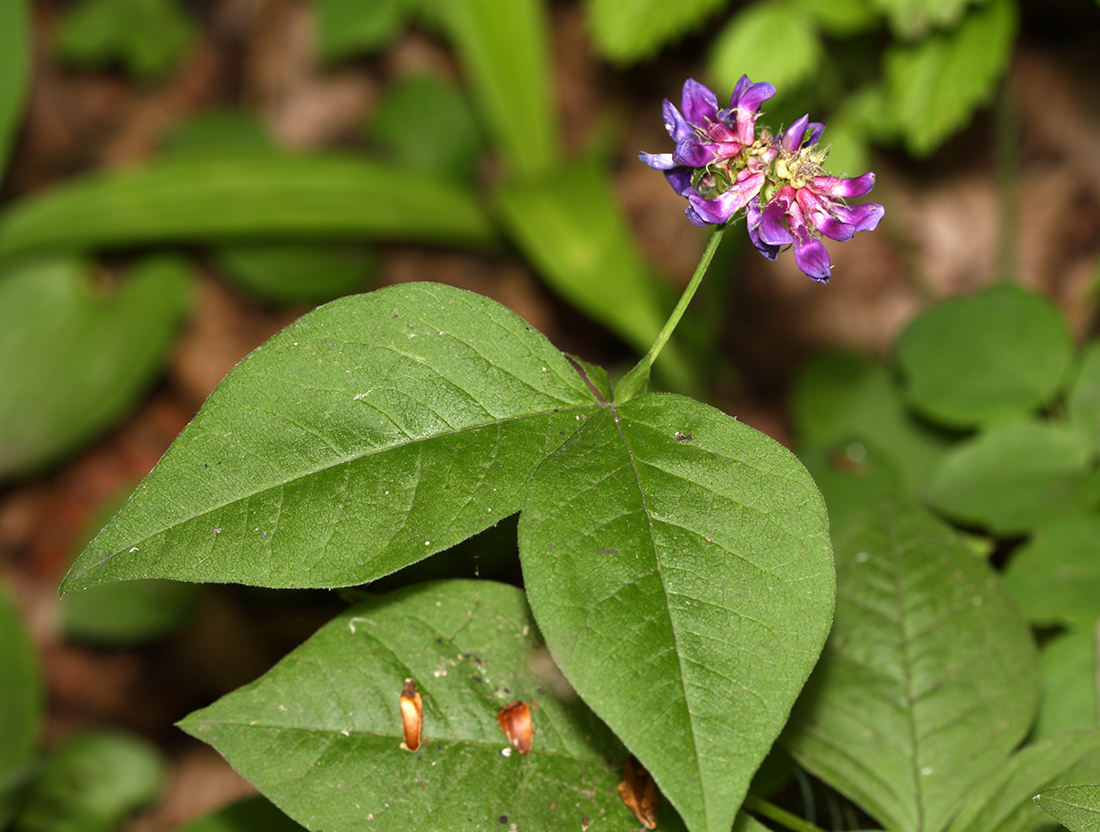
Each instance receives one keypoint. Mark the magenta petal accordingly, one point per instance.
(834, 228)
(861, 217)
(816, 128)
(752, 222)
(658, 161)
(743, 83)
(792, 136)
(812, 257)
(843, 188)
(700, 105)
(675, 123)
(771, 228)
(693, 153)
(750, 100)
(722, 207)
(679, 178)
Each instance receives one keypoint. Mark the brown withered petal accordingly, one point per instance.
(639, 792)
(515, 722)
(412, 715)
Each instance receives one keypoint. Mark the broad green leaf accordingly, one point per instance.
(911, 19)
(840, 397)
(571, 227)
(15, 59)
(20, 702)
(132, 612)
(625, 31)
(678, 563)
(147, 37)
(320, 734)
(1069, 700)
(772, 41)
(346, 28)
(1055, 576)
(91, 783)
(219, 133)
(1083, 402)
(841, 17)
(74, 358)
(291, 273)
(929, 677)
(851, 475)
(426, 124)
(935, 85)
(1077, 807)
(253, 814)
(1015, 478)
(202, 199)
(369, 434)
(992, 357)
(504, 49)
(1004, 802)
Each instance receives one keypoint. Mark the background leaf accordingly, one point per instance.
(1016, 478)
(91, 783)
(505, 50)
(625, 31)
(570, 226)
(915, 18)
(253, 814)
(75, 359)
(297, 273)
(992, 357)
(1077, 807)
(678, 563)
(839, 397)
(1083, 403)
(747, 45)
(346, 28)
(426, 124)
(147, 37)
(1069, 698)
(330, 756)
(369, 434)
(127, 613)
(1004, 802)
(20, 703)
(15, 38)
(1055, 576)
(207, 199)
(929, 677)
(936, 84)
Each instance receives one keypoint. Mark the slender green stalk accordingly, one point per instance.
(782, 816)
(686, 297)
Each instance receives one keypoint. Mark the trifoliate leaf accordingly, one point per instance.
(625, 31)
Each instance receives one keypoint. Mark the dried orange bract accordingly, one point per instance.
(639, 792)
(515, 722)
(412, 715)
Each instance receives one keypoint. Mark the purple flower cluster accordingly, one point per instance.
(722, 166)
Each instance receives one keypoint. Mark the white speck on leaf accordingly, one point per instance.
(862, 557)
(506, 752)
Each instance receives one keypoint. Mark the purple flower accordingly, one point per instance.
(707, 141)
(721, 166)
(808, 203)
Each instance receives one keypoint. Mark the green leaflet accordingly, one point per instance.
(936, 83)
(505, 50)
(928, 680)
(914, 18)
(1069, 698)
(75, 360)
(369, 434)
(626, 31)
(1016, 478)
(1004, 802)
(20, 702)
(15, 37)
(1055, 576)
(1083, 401)
(207, 199)
(992, 357)
(320, 734)
(1077, 807)
(678, 563)
(747, 46)
(253, 814)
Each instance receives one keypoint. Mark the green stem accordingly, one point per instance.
(773, 812)
(686, 297)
